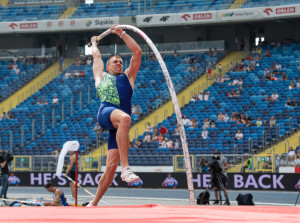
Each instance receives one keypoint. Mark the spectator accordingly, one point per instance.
(298, 83)
(176, 144)
(147, 137)
(268, 53)
(10, 66)
(133, 110)
(239, 135)
(295, 102)
(137, 144)
(241, 121)
(250, 124)
(272, 65)
(233, 93)
(67, 74)
(221, 116)
(154, 137)
(291, 152)
(206, 96)
(278, 66)
(291, 161)
(89, 61)
(268, 77)
(186, 60)
(61, 62)
(155, 130)
(44, 101)
(203, 165)
(77, 73)
(266, 71)
(239, 91)
(289, 102)
(39, 102)
(241, 82)
(177, 130)
(283, 77)
(274, 96)
(97, 127)
(170, 182)
(55, 100)
(194, 123)
(292, 85)
(235, 82)
(162, 143)
(269, 98)
(226, 118)
(82, 74)
(275, 72)
(200, 96)
(206, 123)
(247, 118)
(163, 130)
(11, 115)
(169, 143)
(15, 58)
(138, 110)
(175, 54)
(272, 121)
(258, 122)
(220, 69)
(149, 127)
(186, 121)
(17, 70)
(5, 116)
(213, 124)
(204, 133)
(194, 98)
(283, 161)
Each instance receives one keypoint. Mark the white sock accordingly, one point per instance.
(124, 168)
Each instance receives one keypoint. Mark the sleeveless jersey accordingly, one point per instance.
(63, 201)
(115, 91)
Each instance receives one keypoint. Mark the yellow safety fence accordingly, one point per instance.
(180, 163)
(264, 162)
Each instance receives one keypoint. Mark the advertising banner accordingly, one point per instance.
(236, 181)
(58, 25)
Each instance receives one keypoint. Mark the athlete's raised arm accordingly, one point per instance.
(98, 66)
(135, 60)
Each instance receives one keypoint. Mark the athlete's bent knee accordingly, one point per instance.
(125, 120)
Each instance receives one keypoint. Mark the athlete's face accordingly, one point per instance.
(115, 66)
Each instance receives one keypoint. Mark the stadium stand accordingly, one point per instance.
(260, 3)
(10, 81)
(80, 125)
(121, 7)
(252, 101)
(31, 13)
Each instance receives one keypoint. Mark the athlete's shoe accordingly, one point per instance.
(227, 202)
(90, 205)
(216, 202)
(128, 176)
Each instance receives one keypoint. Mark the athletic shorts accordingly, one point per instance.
(215, 181)
(105, 123)
(72, 175)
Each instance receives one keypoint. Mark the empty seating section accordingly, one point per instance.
(150, 91)
(252, 101)
(262, 3)
(11, 82)
(31, 13)
(118, 8)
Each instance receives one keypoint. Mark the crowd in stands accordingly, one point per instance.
(44, 101)
(10, 115)
(290, 159)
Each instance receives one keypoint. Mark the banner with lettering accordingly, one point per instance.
(236, 181)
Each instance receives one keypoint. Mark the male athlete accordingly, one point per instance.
(58, 196)
(71, 172)
(115, 89)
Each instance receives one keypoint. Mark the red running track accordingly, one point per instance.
(151, 213)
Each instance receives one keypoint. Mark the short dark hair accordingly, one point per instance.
(48, 185)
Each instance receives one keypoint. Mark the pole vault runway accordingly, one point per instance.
(151, 213)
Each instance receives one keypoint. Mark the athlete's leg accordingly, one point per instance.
(72, 187)
(112, 161)
(122, 121)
